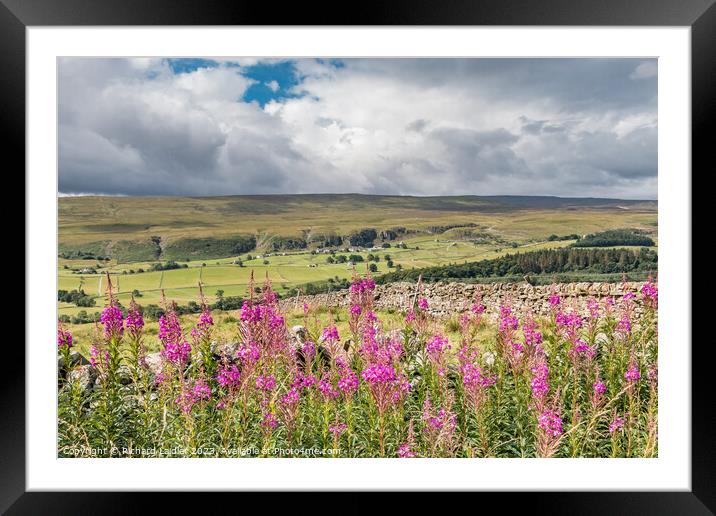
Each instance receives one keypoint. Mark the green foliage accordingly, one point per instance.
(168, 266)
(208, 248)
(136, 250)
(76, 297)
(282, 243)
(556, 238)
(363, 237)
(551, 261)
(616, 237)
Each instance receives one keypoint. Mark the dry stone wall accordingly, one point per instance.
(448, 298)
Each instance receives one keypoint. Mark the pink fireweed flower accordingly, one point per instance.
(249, 354)
(593, 318)
(205, 318)
(270, 297)
(632, 375)
(113, 321)
(593, 307)
(308, 350)
(331, 339)
(229, 376)
(508, 322)
(362, 285)
(135, 321)
(477, 308)
(292, 397)
(650, 294)
(99, 358)
(652, 375)
(438, 426)
(384, 385)
(288, 407)
(269, 421)
(569, 322)
(378, 373)
(475, 383)
(616, 424)
(554, 299)
(549, 428)
(405, 450)
(533, 337)
(466, 354)
(540, 382)
(64, 337)
(356, 310)
(250, 313)
(550, 422)
(328, 392)
(473, 376)
(599, 388)
(176, 349)
(464, 320)
(410, 316)
(423, 304)
(193, 393)
(624, 325)
(177, 352)
(159, 379)
(435, 347)
(330, 333)
(361, 294)
(265, 383)
(202, 330)
(302, 382)
(337, 428)
(609, 304)
(402, 387)
(347, 382)
(581, 348)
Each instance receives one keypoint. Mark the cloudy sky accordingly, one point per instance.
(567, 127)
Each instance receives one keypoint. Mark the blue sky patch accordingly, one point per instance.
(187, 65)
(284, 73)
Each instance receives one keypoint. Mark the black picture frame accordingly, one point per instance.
(700, 15)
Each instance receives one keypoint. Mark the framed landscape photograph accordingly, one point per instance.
(361, 258)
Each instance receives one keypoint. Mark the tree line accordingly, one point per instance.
(551, 261)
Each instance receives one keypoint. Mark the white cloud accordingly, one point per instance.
(645, 70)
(406, 126)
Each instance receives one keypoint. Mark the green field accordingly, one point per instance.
(438, 230)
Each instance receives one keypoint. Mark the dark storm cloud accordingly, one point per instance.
(576, 127)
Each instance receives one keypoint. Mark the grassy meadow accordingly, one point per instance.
(438, 231)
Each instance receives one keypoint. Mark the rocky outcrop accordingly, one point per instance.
(447, 298)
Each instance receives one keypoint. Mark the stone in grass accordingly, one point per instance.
(153, 363)
(75, 359)
(225, 351)
(124, 374)
(85, 375)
